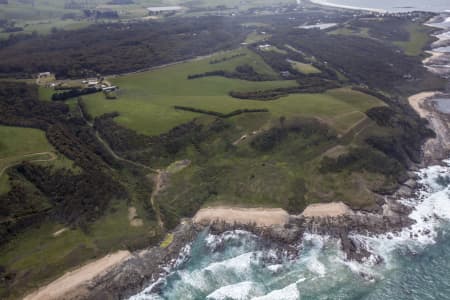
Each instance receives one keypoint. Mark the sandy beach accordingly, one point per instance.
(73, 284)
(437, 148)
(434, 56)
(417, 102)
(334, 209)
(262, 217)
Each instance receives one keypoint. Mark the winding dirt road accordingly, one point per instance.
(52, 156)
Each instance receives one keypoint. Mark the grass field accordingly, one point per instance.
(304, 68)
(146, 100)
(26, 144)
(17, 141)
(255, 37)
(419, 36)
(362, 32)
(45, 93)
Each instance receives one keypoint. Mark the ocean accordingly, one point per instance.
(238, 265)
(391, 5)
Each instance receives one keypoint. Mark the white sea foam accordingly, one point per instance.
(289, 292)
(431, 208)
(312, 258)
(239, 291)
(275, 268)
(239, 264)
(147, 293)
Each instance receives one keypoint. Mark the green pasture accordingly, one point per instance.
(304, 68)
(16, 141)
(19, 144)
(145, 101)
(419, 36)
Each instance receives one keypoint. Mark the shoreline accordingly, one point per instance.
(71, 283)
(329, 4)
(438, 148)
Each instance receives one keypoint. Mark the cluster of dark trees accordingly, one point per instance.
(363, 158)
(72, 93)
(226, 58)
(155, 150)
(75, 199)
(407, 135)
(375, 63)
(98, 14)
(407, 130)
(306, 85)
(219, 114)
(304, 128)
(391, 151)
(244, 72)
(118, 48)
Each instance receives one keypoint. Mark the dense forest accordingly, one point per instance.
(118, 48)
(74, 199)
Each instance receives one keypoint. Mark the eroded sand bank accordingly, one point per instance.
(333, 209)
(261, 217)
(264, 217)
(417, 102)
(73, 284)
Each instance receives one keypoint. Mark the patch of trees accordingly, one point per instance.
(363, 158)
(393, 150)
(244, 72)
(219, 114)
(118, 48)
(75, 199)
(109, 14)
(406, 135)
(226, 58)
(305, 128)
(18, 209)
(375, 63)
(72, 93)
(306, 85)
(155, 150)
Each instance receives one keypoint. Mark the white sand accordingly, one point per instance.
(416, 101)
(73, 284)
(434, 56)
(334, 209)
(262, 217)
